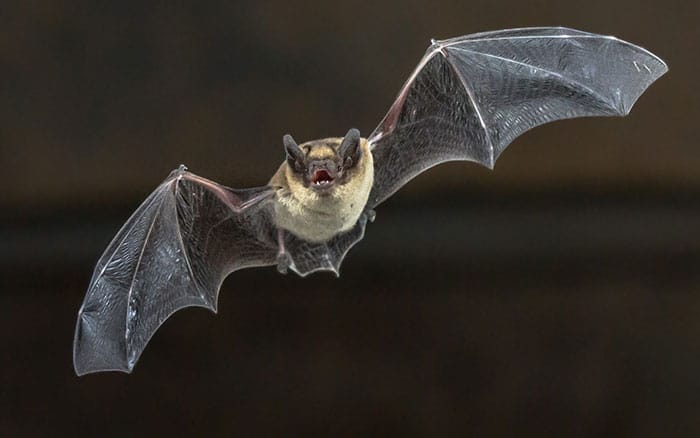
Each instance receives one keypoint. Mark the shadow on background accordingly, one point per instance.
(559, 293)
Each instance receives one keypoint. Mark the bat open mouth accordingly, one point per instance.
(321, 178)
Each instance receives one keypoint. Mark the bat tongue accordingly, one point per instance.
(321, 175)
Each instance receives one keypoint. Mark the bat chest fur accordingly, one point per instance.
(320, 220)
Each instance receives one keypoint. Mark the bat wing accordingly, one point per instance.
(307, 257)
(471, 96)
(173, 252)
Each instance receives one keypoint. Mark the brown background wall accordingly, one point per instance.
(560, 292)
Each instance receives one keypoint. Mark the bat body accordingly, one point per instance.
(468, 99)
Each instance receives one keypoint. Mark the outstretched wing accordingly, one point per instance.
(471, 96)
(174, 252)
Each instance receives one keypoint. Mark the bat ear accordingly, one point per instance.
(349, 149)
(295, 155)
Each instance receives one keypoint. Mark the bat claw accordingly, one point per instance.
(371, 215)
(181, 170)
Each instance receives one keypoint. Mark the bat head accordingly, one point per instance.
(323, 165)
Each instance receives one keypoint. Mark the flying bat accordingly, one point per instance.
(467, 99)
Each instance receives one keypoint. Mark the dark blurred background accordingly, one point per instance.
(558, 294)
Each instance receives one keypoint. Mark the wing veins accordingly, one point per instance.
(128, 233)
(532, 37)
(136, 271)
(182, 245)
(542, 69)
(445, 43)
(470, 93)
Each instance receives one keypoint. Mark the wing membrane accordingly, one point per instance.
(174, 252)
(471, 96)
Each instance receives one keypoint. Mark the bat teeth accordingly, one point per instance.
(321, 177)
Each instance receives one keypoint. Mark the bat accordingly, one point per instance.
(467, 99)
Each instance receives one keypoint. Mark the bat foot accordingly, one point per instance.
(283, 262)
(371, 215)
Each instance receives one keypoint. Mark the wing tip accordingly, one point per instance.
(89, 358)
(83, 355)
(655, 74)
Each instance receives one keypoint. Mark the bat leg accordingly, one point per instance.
(283, 258)
(371, 215)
